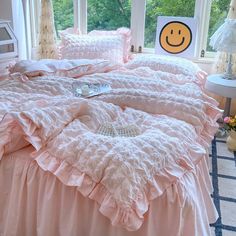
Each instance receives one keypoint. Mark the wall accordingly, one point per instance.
(6, 10)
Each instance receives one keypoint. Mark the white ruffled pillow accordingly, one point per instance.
(124, 32)
(108, 47)
(171, 64)
(68, 68)
(70, 30)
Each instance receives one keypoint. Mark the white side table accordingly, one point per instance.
(223, 87)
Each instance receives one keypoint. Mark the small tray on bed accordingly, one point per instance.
(94, 89)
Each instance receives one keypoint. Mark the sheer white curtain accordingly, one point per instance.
(33, 23)
(25, 20)
(47, 47)
(19, 25)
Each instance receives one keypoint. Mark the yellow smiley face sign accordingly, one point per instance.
(175, 37)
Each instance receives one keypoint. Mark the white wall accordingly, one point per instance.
(6, 10)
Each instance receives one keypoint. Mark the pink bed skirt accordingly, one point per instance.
(35, 203)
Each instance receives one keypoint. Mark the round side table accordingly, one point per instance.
(223, 87)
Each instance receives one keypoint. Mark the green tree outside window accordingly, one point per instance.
(112, 14)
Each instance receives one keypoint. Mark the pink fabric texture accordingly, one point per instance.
(171, 64)
(35, 202)
(108, 47)
(70, 30)
(124, 32)
(70, 68)
(167, 106)
(98, 165)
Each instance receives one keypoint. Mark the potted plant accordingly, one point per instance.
(230, 125)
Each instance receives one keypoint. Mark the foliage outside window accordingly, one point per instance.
(108, 14)
(112, 14)
(219, 11)
(155, 8)
(63, 14)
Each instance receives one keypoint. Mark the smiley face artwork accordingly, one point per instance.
(175, 37)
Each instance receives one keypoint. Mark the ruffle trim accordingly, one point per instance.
(129, 216)
(19, 125)
(127, 37)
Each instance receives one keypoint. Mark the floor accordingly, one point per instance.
(223, 172)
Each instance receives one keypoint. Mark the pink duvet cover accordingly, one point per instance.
(123, 175)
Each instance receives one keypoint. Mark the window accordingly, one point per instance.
(155, 8)
(8, 45)
(140, 16)
(219, 10)
(63, 14)
(108, 14)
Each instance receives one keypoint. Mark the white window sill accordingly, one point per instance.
(204, 60)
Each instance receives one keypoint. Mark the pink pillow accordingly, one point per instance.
(124, 32)
(108, 47)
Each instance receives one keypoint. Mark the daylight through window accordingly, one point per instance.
(155, 8)
(108, 14)
(219, 10)
(112, 14)
(63, 14)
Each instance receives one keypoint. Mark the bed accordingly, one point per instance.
(62, 174)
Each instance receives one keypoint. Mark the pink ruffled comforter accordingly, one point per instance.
(176, 118)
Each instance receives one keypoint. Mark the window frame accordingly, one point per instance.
(138, 12)
(80, 15)
(203, 13)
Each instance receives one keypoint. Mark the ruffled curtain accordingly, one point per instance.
(47, 47)
(221, 60)
(19, 12)
(221, 63)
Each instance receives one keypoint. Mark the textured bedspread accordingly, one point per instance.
(176, 119)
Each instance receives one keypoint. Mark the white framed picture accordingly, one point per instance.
(176, 36)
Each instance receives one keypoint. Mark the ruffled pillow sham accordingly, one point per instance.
(108, 47)
(125, 32)
(70, 30)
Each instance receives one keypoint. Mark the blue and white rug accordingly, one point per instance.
(223, 172)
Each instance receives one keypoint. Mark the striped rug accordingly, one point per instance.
(223, 172)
